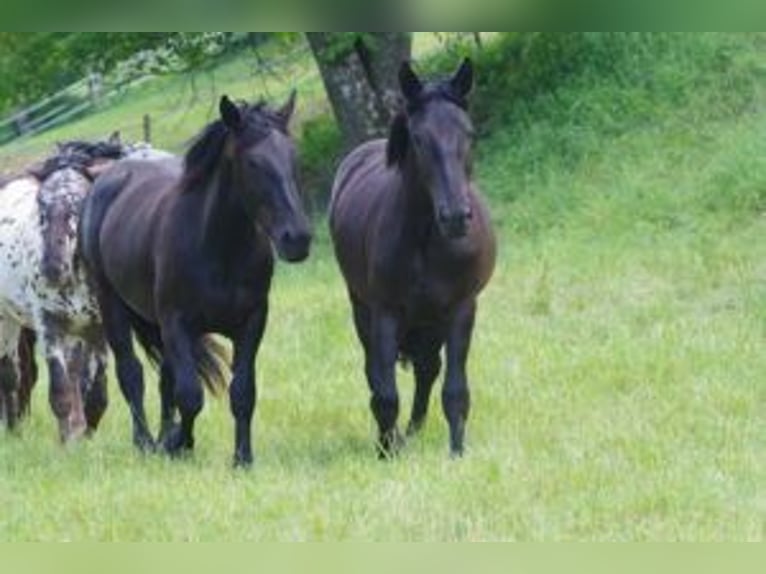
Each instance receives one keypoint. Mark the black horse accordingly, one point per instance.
(415, 245)
(179, 251)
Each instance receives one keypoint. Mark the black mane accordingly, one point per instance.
(205, 150)
(77, 154)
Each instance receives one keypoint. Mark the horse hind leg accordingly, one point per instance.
(168, 424)
(130, 374)
(9, 373)
(9, 383)
(424, 349)
(150, 338)
(28, 371)
(65, 394)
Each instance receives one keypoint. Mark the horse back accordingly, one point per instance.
(119, 223)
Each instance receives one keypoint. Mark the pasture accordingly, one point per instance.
(617, 368)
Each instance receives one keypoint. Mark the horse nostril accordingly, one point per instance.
(461, 215)
(296, 236)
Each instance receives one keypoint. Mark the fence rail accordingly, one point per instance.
(68, 103)
(164, 120)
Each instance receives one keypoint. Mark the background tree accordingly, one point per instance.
(359, 71)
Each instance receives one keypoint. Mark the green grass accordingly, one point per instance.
(617, 369)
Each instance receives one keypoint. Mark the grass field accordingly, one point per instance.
(618, 367)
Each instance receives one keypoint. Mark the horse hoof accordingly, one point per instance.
(175, 444)
(456, 453)
(145, 444)
(72, 433)
(413, 428)
(166, 434)
(243, 461)
(390, 444)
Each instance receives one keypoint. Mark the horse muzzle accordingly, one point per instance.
(293, 245)
(454, 224)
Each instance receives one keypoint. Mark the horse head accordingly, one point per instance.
(433, 136)
(66, 178)
(263, 161)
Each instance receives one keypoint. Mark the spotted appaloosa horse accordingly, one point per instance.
(43, 287)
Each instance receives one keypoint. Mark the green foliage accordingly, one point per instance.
(319, 142)
(63, 58)
(60, 59)
(340, 44)
(556, 98)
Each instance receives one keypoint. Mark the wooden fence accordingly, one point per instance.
(71, 102)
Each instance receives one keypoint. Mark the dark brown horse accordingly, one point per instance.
(181, 251)
(415, 245)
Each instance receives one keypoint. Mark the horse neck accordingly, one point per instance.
(225, 224)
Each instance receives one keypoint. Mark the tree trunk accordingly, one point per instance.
(359, 72)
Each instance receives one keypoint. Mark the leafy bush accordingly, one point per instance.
(552, 99)
(320, 139)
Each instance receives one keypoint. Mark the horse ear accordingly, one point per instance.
(409, 82)
(230, 113)
(462, 82)
(398, 140)
(115, 138)
(287, 109)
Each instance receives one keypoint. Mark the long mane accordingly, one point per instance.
(77, 154)
(205, 151)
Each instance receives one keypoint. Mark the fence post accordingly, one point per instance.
(147, 123)
(94, 88)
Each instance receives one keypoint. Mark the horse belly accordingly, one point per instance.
(127, 256)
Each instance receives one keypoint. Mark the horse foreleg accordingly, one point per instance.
(96, 395)
(455, 394)
(64, 395)
(189, 396)
(380, 367)
(243, 391)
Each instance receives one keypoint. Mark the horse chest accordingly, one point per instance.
(434, 283)
(232, 295)
(73, 302)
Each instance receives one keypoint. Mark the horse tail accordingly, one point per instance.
(210, 360)
(210, 356)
